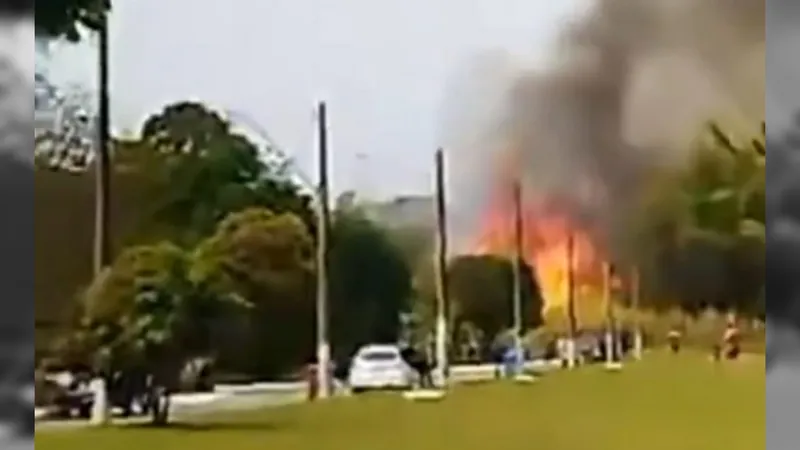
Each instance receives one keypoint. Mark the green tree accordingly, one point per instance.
(726, 186)
(209, 171)
(481, 294)
(729, 212)
(64, 228)
(268, 259)
(65, 18)
(370, 284)
(154, 309)
(415, 243)
(159, 193)
(700, 236)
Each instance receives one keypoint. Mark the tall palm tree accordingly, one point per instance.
(716, 203)
(726, 187)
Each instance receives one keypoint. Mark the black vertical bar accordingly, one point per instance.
(441, 248)
(102, 238)
(571, 314)
(323, 229)
(517, 258)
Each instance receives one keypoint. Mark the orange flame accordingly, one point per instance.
(546, 235)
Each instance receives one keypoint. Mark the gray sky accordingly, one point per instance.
(383, 67)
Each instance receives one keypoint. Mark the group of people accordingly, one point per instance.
(728, 347)
(508, 359)
(592, 347)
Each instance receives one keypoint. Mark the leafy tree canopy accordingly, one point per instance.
(150, 311)
(258, 254)
(370, 283)
(64, 18)
(700, 236)
(158, 193)
(482, 289)
(208, 171)
(268, 259)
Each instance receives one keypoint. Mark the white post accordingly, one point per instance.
(572, 356)
(638, 341)
(441, 350)
(610, 347)
(100, 407)
(323, 369)
(638, 344)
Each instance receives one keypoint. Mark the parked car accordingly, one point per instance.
(379, 367)
(72, 397)
(76, 401)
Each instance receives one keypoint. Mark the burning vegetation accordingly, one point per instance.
(632, 85)
(550, 242)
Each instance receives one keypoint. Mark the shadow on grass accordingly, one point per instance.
(239, 427)
(479, 382)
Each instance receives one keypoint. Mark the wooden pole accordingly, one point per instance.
(102, 213)
(516, 264)
(571, 313)
(609, 312)
(638, 340)
(101, 254)
(441, 271)
(323, 228)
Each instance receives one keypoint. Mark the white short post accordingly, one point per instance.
(441, 352)
(323, 372)
(572, 353)
(638, 344)
(100, 407)
(610, 347)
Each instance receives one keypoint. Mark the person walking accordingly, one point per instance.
(674, 338)
(732, 341)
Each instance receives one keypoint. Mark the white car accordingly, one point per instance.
(376, 367)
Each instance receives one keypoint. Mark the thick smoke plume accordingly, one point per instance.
(631, 83)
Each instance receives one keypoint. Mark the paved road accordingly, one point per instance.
(200, 404)
(262, 395)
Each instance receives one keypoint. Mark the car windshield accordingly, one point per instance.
(379, 356)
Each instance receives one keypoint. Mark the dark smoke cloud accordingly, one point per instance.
(631, 83)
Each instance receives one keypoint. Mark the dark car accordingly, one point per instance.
(76, 401)
(129, 394)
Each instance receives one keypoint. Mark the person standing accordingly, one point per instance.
(674, 338)
(731, 339)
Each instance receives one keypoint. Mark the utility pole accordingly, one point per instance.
(441, 271)
(516, 264)
(323, 228)
(636, 287)
(100, 414)
(571, 314)
(608, 304)
(102, 214)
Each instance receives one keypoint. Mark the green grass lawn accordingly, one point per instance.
(663, 403)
